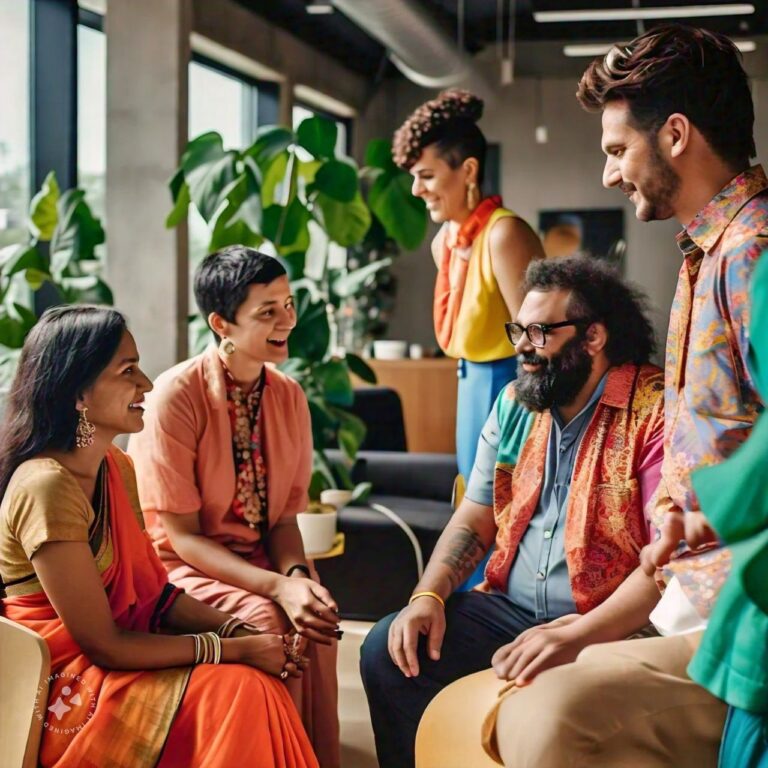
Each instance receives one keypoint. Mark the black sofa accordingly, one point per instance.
(377, 572)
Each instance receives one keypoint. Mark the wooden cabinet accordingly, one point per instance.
(427, 389)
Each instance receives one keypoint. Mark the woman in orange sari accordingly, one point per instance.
(128, 687)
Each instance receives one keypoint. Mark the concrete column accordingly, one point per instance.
(148, 55)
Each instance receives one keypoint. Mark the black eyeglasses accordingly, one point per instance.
(537, 332)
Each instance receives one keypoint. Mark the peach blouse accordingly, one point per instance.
(184, 461)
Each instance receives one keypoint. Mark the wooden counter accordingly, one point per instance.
(427, 389)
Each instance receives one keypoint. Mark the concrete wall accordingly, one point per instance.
(147, 64)
(563, 173)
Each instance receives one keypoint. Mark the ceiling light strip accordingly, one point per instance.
(600, 49)
(640, 14)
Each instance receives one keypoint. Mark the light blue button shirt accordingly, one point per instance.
(538, 579)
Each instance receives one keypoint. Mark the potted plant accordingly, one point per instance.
(291, 193)
(58, 262)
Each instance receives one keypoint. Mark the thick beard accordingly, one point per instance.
(558, 381)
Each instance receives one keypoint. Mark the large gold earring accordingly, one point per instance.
(227, 347)
(85, 430)
(473, 196)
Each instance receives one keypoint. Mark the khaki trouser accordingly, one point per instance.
(628, 704)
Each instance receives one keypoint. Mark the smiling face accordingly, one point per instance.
(115, 399)
(636, 166)
(442, 188)
(556, 373)
(263, 323)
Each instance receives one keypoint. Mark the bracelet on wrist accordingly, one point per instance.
(207, 648)
(299, 567)
(433, 595)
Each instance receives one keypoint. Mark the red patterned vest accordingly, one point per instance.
(605, 523)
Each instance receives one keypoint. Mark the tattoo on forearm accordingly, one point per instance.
(465, 551)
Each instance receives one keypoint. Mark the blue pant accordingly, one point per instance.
(745, 740)
(477, 625)
(479, 386)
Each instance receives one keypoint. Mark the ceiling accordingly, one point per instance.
(337, 36)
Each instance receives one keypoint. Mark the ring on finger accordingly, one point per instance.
(284, 674)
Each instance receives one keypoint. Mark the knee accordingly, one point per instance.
(544, 725)
(376, 666)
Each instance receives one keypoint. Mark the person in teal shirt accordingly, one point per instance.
(732, 661)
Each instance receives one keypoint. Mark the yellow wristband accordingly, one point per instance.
(433, 595)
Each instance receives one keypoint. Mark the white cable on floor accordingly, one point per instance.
(407, 530)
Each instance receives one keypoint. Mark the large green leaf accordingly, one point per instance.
(333, 376)
(353, 429)
(287, 227)
(43, 214)
(270, 141)
(274, 179)
(338, 180)
(181, 200)
(345, 223)
(312, 334)
(77, 234)
(351, 282)
(209, 171)
(241, 220)
(318, 136)
(89, 289)
(378, 154)
(13, 329)
(403, 216)
(360, 368)
(17, 258)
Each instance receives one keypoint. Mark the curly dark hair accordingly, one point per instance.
(598, 292)
(449, 122)
(677, 68)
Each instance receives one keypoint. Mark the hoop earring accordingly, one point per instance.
(473, 196)
(227, 347)
(85, 430)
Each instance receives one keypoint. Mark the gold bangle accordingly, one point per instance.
(433, 595)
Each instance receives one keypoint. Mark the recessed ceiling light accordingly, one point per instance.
(600, 49)
(319, 7)
(640, 14)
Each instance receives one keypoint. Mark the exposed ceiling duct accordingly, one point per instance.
(416, 44)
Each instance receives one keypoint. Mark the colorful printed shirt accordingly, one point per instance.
(710, 399)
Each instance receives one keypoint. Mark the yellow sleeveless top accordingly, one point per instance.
(479, 334)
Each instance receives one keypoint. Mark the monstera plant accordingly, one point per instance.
(290, 193)
(58, 263)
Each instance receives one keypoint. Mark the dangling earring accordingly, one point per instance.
(473, 196)
(85, 430)
(227, 347)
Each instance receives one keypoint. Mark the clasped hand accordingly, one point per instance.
(310, 608)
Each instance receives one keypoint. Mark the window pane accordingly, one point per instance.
(216, 104)
(92, 116)
(14, 119)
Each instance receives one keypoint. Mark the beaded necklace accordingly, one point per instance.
(250, 502)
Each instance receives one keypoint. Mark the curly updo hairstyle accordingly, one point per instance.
(450, 123)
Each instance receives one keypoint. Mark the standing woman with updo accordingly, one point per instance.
(481, 252)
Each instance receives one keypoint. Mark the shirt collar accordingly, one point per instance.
(591, 404)
(710, 222)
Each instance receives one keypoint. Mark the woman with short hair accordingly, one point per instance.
(128, 686)
(224, 465)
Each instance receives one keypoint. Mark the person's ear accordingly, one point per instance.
(675, 135)
(595, 338)
(219, 325)
(471, 169)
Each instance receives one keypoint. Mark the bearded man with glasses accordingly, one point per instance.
(566, 464)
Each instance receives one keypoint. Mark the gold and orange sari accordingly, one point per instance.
(182, 716)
